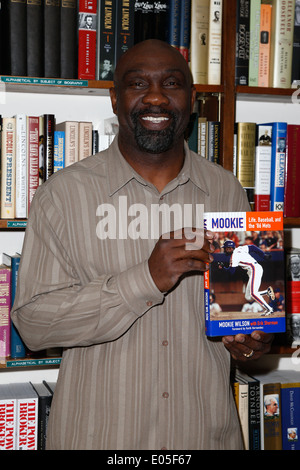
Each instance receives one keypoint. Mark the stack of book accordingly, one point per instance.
(267, 43)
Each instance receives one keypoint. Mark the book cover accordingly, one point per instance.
(35, 52)
(107, 40)
(8, 413)
(254, 42)
(8, 168)
(5, 301)
(124, 27)
(245, 156)
(85, 139)
(290, 405)
(242, 42)
(71, 130)
(185, 27)
(264, 45)
(292, 282)
(282, 31)
(33, 157)
(87, 34)
(27, 416)
(272, 415)
(49, 127)
(199, 40)
(14, 25)
(52, 38)
(263, 156)
(59, 151)
(246, 276)
(292, 172)
(279, 133)
(215, 42)
(21, 166)
(173, 23)
(296, 44)
(44, 407)
(68, 42)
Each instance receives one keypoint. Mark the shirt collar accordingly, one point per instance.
(121, 173)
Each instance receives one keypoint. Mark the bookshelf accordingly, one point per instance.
(91, 102)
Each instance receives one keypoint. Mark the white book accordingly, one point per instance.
(215, 42)
(21, 166)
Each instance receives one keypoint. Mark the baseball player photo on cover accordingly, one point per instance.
(244, 286)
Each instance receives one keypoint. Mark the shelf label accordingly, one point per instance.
(33, 362)
(16, 223)
(44, 81)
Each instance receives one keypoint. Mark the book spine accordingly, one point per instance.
(215, 42)
(143, 20)
(71, 129)
(49, 126)
(184, 36)
(282, 31)
(124, 27)
(263, 156)
(17, 347)
(95, 141)
(199, 40)
(213, 141)
(8, 167)
(279, 133)
(264, 45)
(68, 34)
(296, 45)
(59, 151)
(254, 42)
(292, 172)
(173, 20)
(160, 18)
(17, 49)
(52, 38)
(85, 140)
(272, 421)
(33, 157)
(290, 405)
(254, 416)
(87, 33)
(27, 422)
(5, 301)
(35, 53)
(7, 424)
(246, 153)
(242, 42)
(107, 42)
(21, 166)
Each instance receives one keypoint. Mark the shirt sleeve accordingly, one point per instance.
(54, 308)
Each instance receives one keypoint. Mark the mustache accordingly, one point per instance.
(153, 110)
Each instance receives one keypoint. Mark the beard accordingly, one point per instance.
(154, 141)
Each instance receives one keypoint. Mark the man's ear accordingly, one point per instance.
(113, 98)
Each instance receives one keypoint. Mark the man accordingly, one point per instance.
(137, 371)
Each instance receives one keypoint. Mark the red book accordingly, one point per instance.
(33, 156)
(87, 34)
(292, 172)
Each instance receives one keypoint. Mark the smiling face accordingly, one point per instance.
(153, 98)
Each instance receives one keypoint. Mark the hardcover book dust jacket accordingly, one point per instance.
(244, 286)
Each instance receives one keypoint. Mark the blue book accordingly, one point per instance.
(59, 151)
(185, 27)
(17, 347)
(173, 20)
(279, 133)
(290, 409)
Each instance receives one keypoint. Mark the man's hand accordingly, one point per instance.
(241, 346)
(178, 254)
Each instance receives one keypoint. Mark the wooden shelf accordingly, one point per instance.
(251, 90)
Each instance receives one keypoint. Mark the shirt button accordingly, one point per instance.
(165, 342)
(149, 303)
(165, 395)
(161, 198)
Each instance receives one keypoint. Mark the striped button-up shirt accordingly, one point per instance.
(138, 371)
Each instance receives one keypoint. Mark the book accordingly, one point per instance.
(184, 34)
(107, 40)
(202, 136)
(95, 136)
(8, 424)
(292, 172)
(14, 25)
(242, 42)
(245, 156)
(279, 132)
(215, 42)
(44, 406)
(27, 416)
(264, 45)
(17, 347)
(35, 52)
(143, 20)
(243, 408)
(282, 31)
(263, 154)
(71, 130)
(199, 40)
(49, 127)
(85, 135)
(41, 149)
(292, 282)
(173, 23)
(21, 166)
(68, 41)
(160, 19)
(5, 301)
(213, 141)
(52, 38)
(254, 42)
(253, 410)
(290, 405)
(246, 269)
(8, 168)
(87, 34)
(59, 151)
(124, 27)
(296, 45)
(32, 157)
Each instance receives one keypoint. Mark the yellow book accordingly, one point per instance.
(199, 40)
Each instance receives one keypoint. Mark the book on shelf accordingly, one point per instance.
(202, 136)
(160, 19)
(246, 275)
(199, 40)
(173, 23)
(213, 141)
(241, 396)
(279, 133)
(296, 45)
(292, 283)
(264, 45)
(125, 27)
(290, 404)
(106, 41)
(68, 39)
(59, 151)
(48, 133)
(8, 167)
(263, 155)
(87, 33)
(242, 42)
(32, 157)
(245, 157)
(85, 137)
(292, 172)
(21, 166)
(185, 26)
(51, 28)
(8, 418)
(35, 52)
(41, 149)
(215, 42)
(5, 299)
(71, 130)
(282, 32)
(27, 415)
(254, 42)
(45, 397)
(143, 20)
(14, 25)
